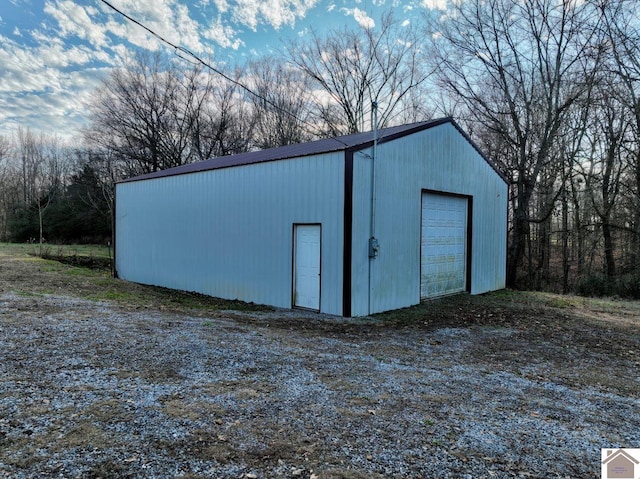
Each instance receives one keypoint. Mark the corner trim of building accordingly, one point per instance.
(348, 233)
(114, 269)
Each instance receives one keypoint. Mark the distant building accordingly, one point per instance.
(293, 226)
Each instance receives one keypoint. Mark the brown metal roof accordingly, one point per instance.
(353, 142)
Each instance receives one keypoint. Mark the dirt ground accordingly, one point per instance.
(103, 378)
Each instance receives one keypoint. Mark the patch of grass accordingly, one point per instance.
(605, 304)
(29, 294)
(91, 250)
(155, 297)
(498, 309)
(118, 296)
(563, 302)
(79, 272)
(91, 256)
(84, 271)
(108, 469)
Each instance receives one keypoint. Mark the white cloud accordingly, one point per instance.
(156, 12)
(221, 5)
(273, 12)
(188, 30)
(22, 68)
(133, 34)
(360, 16)
(223, 35)
(74, 19)
(46, 83)
(172, 20)
(53, 111)
(37, 88)
(167, 18)
(435, 4)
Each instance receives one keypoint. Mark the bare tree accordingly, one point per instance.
(10, 191)
(606, 167)
(45, 165)
(222, 118)
(156, 114)
(281, 106)
(623, 31)
(145, 112)
(354, 68)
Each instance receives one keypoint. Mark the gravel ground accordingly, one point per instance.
(464, 388)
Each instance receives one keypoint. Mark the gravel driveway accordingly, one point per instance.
(466, 387)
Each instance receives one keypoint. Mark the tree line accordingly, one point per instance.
(548, 89)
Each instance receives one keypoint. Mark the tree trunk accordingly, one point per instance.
(517, 245)
(565, 240)
(41, 235)
(635, 237)
(610, 266)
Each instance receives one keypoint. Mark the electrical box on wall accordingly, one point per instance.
(374, 247)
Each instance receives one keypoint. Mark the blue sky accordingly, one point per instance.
(54, 53)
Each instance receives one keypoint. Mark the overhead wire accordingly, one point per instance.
(182, 50)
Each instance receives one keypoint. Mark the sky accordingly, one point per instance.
(55, 53)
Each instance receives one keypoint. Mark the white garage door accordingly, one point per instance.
(306, 266)
(443, 255)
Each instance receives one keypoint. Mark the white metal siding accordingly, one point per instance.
(361, 223)
(443, 245)
(438, 159)
(228, 232)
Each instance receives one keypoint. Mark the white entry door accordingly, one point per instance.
(443, 248)
(306, 266)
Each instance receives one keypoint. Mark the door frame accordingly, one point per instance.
(468, 245)
(293, 267)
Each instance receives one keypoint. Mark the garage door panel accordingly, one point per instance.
(443, 258)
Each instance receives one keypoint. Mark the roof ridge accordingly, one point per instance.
(351, 142)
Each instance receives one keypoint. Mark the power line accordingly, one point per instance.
(181, 49)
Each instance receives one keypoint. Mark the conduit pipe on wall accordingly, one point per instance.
(373, 242)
